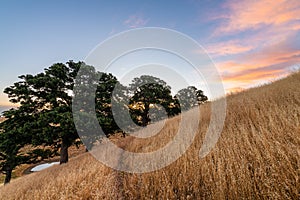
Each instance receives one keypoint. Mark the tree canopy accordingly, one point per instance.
(148, 90)
(190, 97)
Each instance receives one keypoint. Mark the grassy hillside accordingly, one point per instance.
(256, 157)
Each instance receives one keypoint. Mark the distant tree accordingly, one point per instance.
(15, 135)
(189, 97)
(146, 91)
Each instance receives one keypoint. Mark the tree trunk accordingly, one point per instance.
(64, 156)
(145, 115)
(7, 176)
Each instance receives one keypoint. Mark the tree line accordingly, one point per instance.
(43, 126)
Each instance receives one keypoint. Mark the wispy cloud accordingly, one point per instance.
(260, 68)
(245, 15)
(258, 40)
(242, 74)
(228, 48)
(135, 21)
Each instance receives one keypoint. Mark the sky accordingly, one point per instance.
(250, 42)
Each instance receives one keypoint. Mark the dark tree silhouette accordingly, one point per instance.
(189, 97)
(147, 90)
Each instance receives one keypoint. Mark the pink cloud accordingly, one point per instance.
(261, 55)
(135, 21)
(243, 74)
(238, 82)
(244, 14)
(261, 66)
(281, 51)
(295, 27)
(228, 48)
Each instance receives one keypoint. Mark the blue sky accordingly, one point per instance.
(251, 42)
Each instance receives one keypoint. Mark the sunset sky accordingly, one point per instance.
(250, 41)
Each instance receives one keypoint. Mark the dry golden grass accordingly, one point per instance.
(25, 168)
(256, 157)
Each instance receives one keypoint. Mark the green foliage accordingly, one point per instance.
(104, 94)
(146, 91)
(189, 97)
(15, 134)
(93, 94)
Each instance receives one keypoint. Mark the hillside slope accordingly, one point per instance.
(257, 156)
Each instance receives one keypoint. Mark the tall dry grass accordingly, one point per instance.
(256, 157)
